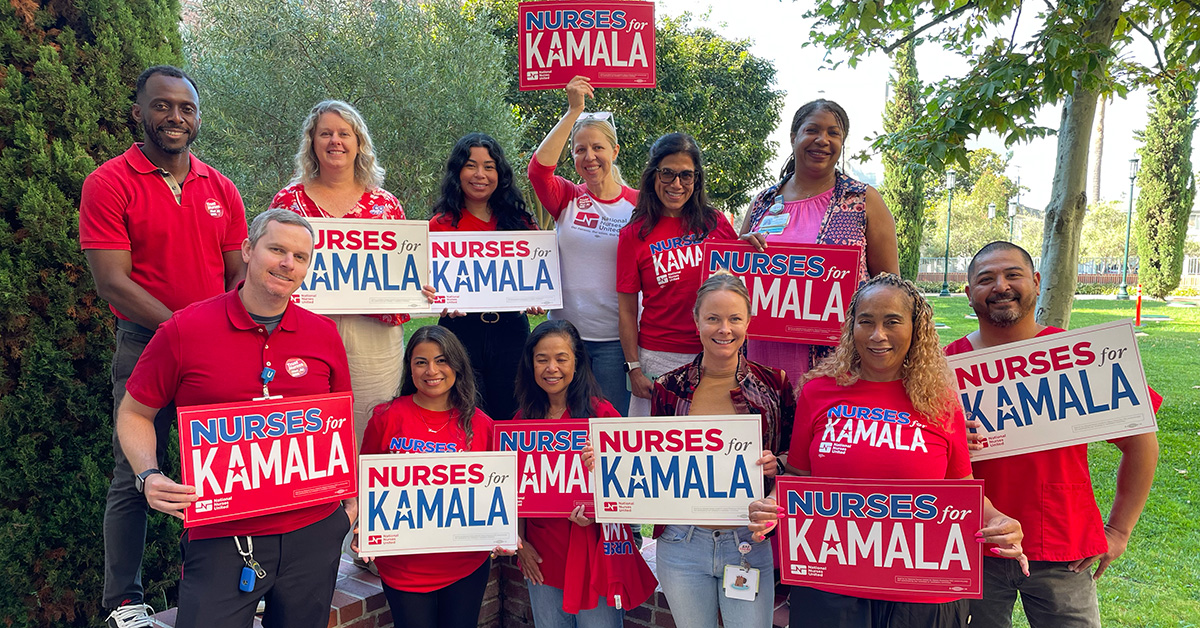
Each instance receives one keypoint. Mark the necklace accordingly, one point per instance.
(421, 415)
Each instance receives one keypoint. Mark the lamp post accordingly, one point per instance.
(1012, 218)
(949, 203)
(1122, 292)
(991, 211)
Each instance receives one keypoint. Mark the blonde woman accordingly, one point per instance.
(890, 363)
(588, 217)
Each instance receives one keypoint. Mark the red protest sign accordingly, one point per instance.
(798, 292)
(263, 457)
(887, 537)
(611, 43)
(552, 480)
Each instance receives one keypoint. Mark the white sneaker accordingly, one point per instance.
(131, 616)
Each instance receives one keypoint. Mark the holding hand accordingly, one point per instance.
(764, 515)
(759, 240)
(578, 89)
(1006, 533)
(974, 439)
(578, 518)
(165, 495)
(588, 456)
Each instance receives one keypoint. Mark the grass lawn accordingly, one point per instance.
(1156, 583)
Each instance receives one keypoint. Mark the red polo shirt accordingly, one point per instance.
(1049, 492)
(213, 352)
(176, 247)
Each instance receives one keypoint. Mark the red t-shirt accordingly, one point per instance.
(401, 426)
(213, 352)
(550, 537)
(127, 206)
(377, 204)
(871, 430)
(466, 222)
(665, 267)
(1049, 492)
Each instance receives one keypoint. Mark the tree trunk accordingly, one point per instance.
(1098, 151)
(1068, 201)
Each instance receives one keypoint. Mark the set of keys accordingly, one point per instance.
(252, 571)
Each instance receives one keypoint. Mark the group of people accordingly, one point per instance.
(639, 334)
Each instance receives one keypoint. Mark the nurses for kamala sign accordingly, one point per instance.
(366, 267)
(495, 271)
(1055, 390)
(612, 43)
(553, 480)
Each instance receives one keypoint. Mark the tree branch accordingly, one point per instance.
(1153, 44)
(1012, 39)
(951, 15)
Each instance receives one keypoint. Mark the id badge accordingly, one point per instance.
(741, 583)
(774, 223)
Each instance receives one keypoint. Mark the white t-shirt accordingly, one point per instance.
(587, 230)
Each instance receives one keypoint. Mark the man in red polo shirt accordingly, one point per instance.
(1049, 492)
(228, 349)
(160, 230)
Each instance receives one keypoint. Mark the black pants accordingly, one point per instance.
(811, 608)
(495, 350)
(452, 606)
(301, 566)
(125, 508)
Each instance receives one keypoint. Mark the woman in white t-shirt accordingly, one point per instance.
(589, 216)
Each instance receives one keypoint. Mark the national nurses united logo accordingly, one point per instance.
(214, 208)
(587, 220)
(296, 367)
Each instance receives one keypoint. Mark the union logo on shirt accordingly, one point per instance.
(214, 208)
(296, 367)
(587, 220)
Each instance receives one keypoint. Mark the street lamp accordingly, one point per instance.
(949, 203)
(991, 211)
(1122, 292)
(1012, 218)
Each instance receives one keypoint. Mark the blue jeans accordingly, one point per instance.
(546, 602)
(691, 569)
(608, 365)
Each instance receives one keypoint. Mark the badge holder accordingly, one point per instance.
(741, 580)
(776, 220)
(252, 571)
(267, 375)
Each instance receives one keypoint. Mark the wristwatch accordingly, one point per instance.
(139, 480)
(629, 366)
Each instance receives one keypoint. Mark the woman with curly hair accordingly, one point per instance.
(479, 194)
(889, 358)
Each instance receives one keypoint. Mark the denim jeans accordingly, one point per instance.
(546, 602)
(691, 570)
(608, 365)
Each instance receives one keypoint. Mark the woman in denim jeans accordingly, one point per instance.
(692, 559)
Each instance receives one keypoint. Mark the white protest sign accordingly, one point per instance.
(495, 271)
(366, 267)
(435, 503)
(678, 470)
(1056, 390)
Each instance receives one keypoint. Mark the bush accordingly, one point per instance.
(65, 97)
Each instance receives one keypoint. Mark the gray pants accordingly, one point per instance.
(1052, 595)
(125, 509)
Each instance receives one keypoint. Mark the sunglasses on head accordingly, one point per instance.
(601, 116)
(666, 176)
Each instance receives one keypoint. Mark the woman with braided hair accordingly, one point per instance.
(888, 358)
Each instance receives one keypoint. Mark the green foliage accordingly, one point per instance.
(1104, 231)
(978, 186)
(421, 75)
(1168, 186)
(65, 97)
(708, 86)
(903, 189)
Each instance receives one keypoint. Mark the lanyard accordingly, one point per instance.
(267, 375)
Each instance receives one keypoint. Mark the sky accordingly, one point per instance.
(777, 28)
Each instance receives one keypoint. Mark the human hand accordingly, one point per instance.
(769, 463)
(452, 313)
(166, 495)
(1006, 533)
(759, 240)
(640, 384)
(529, 559)
(534, 310)
(351, 507)
(578, 518)
(588, 456)
(578, 89)
(1117, 542)
(354, 546)
(428, 292)
(974, 439)
(764, 515)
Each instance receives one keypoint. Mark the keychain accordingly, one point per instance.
(252, 571)
(741, 580)
(268, 374)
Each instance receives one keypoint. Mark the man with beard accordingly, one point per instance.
(1049, 492)
(161, 230)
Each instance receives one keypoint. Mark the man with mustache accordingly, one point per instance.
(160, 230)
(1049, 492)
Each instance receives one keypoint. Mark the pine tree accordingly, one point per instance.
(1167, 184)
(65, 97)
(902, 187)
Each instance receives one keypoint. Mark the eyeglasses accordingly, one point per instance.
(666, 176)
(599, 116)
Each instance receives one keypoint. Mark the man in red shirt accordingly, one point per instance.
(160, 230)
(1049, 492)
(224, 350)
